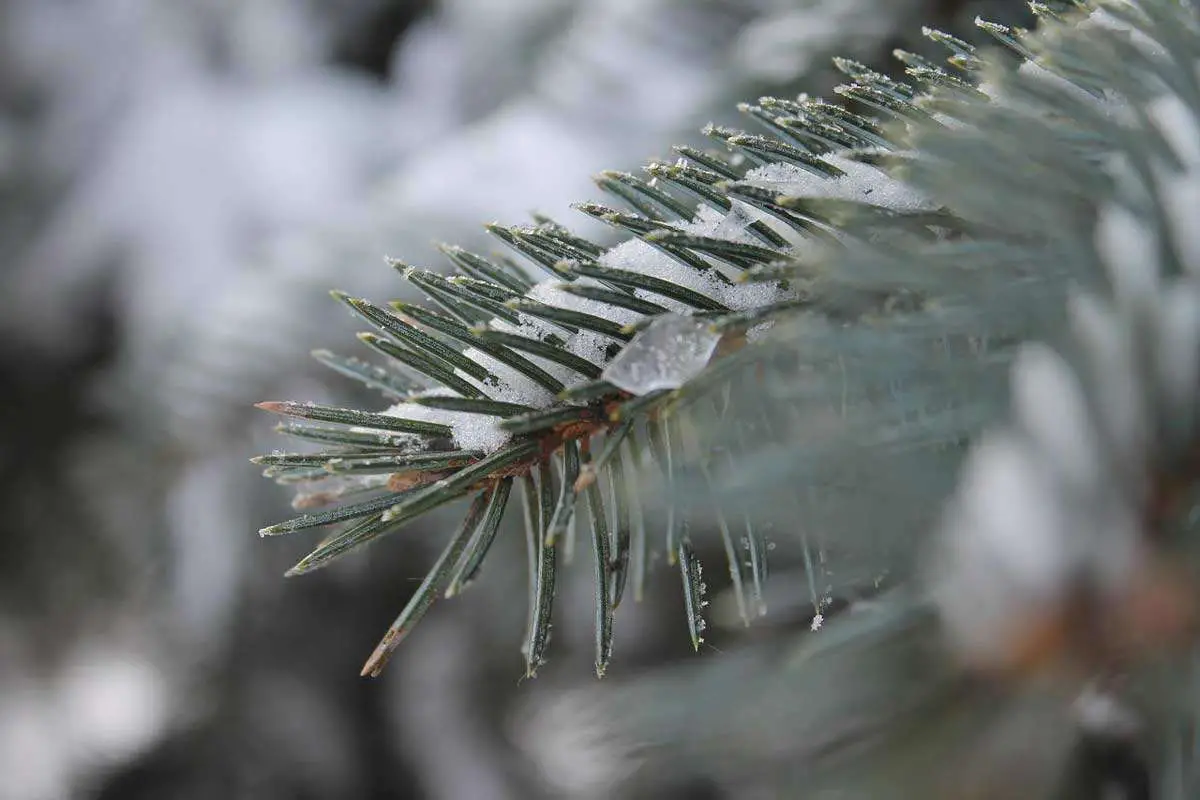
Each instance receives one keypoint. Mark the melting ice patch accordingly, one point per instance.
(667, 354)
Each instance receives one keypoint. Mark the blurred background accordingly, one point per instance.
(180, 185)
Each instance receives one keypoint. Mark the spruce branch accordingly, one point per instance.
(846, 247)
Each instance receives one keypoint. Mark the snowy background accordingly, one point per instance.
(180, 185)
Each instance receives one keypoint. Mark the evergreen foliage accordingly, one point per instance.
(821, 314)
(1042, 644)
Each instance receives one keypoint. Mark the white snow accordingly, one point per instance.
(548, 292)
(729, 225)
(862, 182)
(637, 256)
(1005, 557)
(471, 431)
(1050, 406)
(576, 751)
(513, 386)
